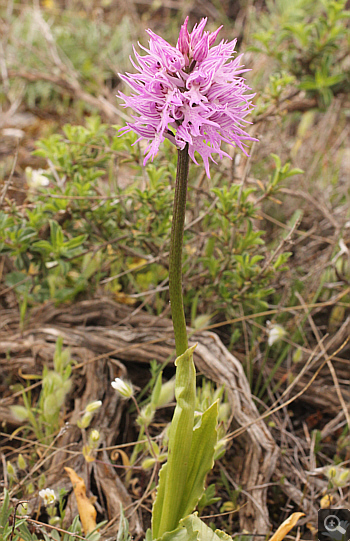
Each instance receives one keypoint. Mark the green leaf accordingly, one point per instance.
(56, 235)
(14, 278)
(173, 475)
(180, 534)
(201, 459)
(193, 528)
(5, 510)
(75, 242)
(277, 160)
(295, 171)
(209, 497)
(42, 246)
(123, 531)
(26, 234)
(194, 524)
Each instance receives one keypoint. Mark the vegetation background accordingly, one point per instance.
(84, 233)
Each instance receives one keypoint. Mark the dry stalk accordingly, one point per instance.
(328, 360)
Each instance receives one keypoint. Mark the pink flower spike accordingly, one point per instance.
(193, 94)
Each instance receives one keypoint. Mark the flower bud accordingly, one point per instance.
(155, 448)
(88, 453)
(220, 448)
(331, 472)
(11, 470)
(146, 415)
(93, 406)
(201, 50)
(343, 477)
(50, 406)
(156, 390)
(183, 43)
(94, 436)
(42, 480)
(224, 412)
(167, 393)
(30, 488)
(20, 412)
(197, 33)
(21, 462)
(148, 463)
(67, 385)
(123, 388)
(297, 355)
(85, 421)
(23, 508)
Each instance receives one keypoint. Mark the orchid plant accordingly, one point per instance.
(194, 95)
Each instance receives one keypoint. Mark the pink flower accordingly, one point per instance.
(192, 94)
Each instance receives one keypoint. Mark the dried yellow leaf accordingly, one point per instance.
(123, 298)
(33, 269)
(125, 458)
(327, 501)
(312, 528)
(136, 262)
(286, 526)
(87, 512)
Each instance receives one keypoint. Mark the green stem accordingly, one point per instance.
(175, 259)
(171, 493)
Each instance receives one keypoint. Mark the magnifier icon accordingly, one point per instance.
(332, 524)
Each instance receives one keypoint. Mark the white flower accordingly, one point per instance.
(36, 177)
(275, 333)
(123, 388)
(48, 495)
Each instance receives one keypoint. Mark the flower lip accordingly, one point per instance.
(195, 88)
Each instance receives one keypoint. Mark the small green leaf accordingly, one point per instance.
(75, 242)
(42, 246)
(56, 235)
(156, 390)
